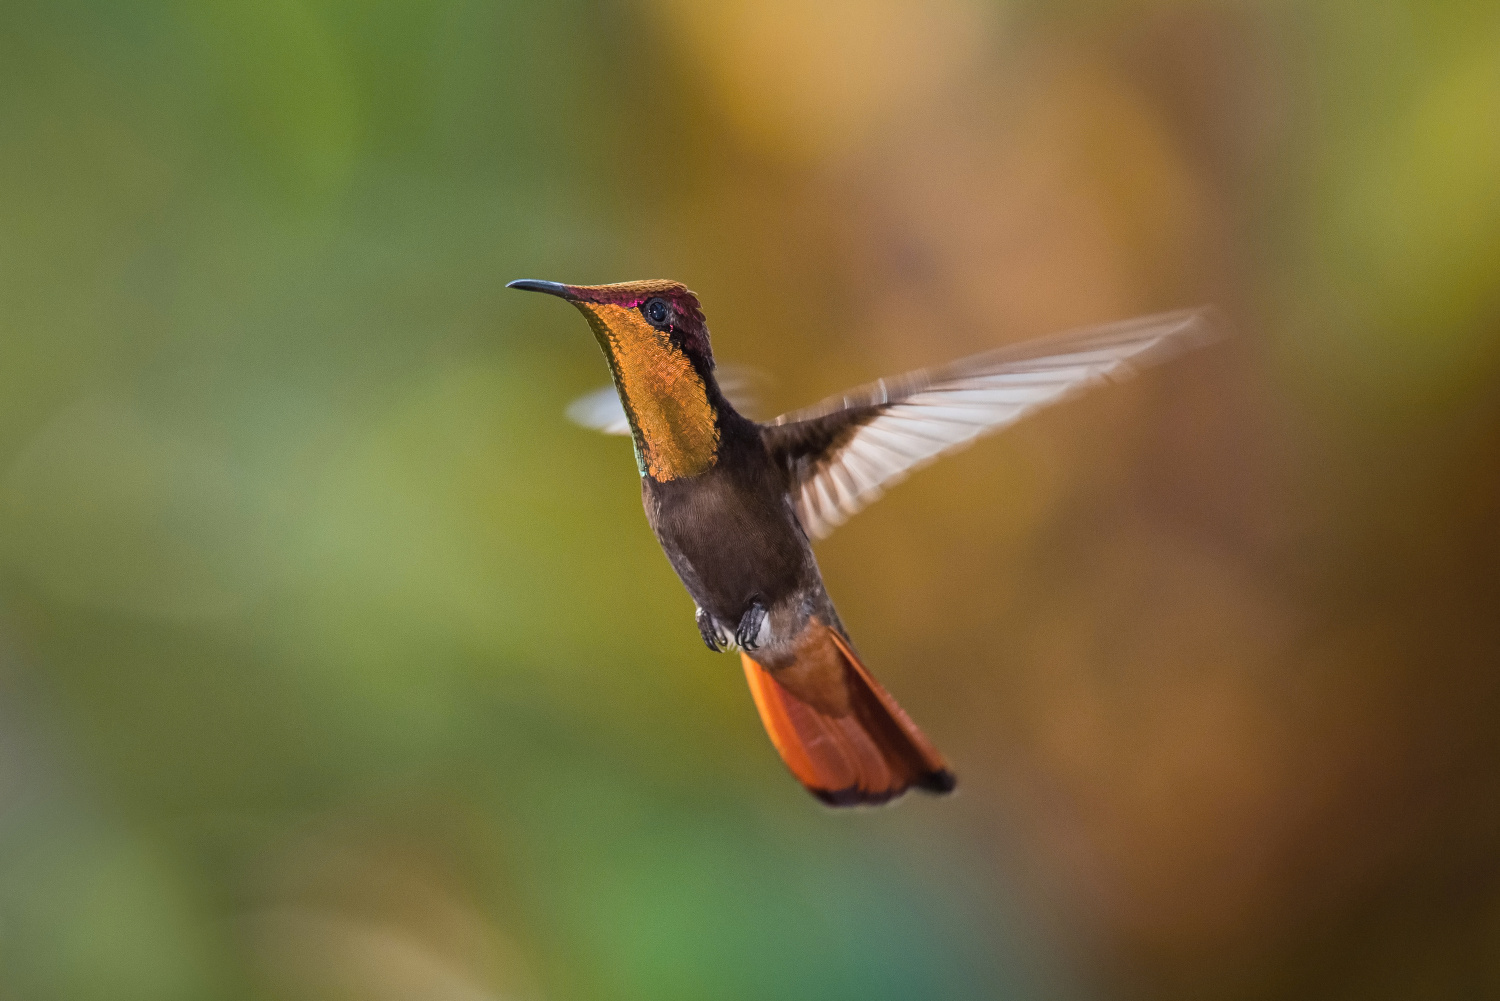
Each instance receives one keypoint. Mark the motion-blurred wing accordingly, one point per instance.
(843, 452)
(602, 410)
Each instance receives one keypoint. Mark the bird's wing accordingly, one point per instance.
(602, 410)
(843, 452)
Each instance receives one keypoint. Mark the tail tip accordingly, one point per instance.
(852, 796)
(939, 782)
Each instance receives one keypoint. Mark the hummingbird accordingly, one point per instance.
(736, 504)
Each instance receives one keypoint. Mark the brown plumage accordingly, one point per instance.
(735, 504)
(840, 733)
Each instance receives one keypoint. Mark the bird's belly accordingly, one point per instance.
(729, 550)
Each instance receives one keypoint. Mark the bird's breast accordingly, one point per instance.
(731, 544)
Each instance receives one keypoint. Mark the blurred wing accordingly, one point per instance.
(602, 410)
(842, 453)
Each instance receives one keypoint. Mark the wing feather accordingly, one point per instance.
(843, 452)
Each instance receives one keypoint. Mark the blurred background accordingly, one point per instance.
(336, 664)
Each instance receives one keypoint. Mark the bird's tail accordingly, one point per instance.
(840, 733)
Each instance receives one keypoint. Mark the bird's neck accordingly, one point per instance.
(675, 430)
(672, 407)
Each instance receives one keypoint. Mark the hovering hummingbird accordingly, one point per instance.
(736, 504)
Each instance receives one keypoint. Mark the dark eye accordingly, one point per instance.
(657, 314)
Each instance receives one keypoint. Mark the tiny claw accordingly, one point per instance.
(709, 630)
(748, 633)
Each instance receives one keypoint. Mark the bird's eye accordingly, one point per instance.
(657, 314)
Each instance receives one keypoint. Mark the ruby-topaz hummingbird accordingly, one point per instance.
(736, 504)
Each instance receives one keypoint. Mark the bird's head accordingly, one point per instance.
(657, 344)
(638, 317)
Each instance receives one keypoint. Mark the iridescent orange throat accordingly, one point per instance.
(674, 425)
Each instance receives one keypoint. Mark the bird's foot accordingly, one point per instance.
(752, 624)
(713, 637)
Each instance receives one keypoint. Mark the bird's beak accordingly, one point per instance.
(568, 292)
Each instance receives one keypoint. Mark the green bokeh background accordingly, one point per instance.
(335, 663)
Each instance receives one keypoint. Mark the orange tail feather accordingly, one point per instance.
(840, 733)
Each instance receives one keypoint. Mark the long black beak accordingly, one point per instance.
(551, 288)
